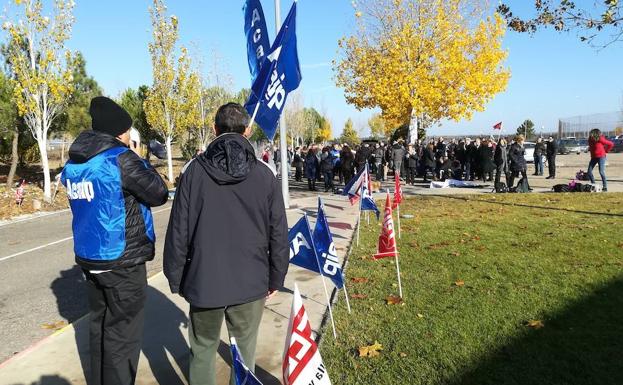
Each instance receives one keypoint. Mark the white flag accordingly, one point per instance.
(302, 364)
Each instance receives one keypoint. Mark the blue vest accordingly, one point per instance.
(95, 193)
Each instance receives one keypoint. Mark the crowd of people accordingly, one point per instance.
(465, 159)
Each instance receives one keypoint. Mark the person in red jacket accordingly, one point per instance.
(599, 146)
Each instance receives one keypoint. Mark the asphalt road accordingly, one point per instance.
(40, 283)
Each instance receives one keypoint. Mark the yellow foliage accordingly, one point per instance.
(423, 57)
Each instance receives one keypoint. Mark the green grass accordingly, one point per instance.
(556, 258)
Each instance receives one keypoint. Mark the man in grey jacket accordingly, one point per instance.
(226, 248)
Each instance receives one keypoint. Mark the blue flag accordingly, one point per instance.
(327, 254)
(279, 75)
(258, 43)
(359, 188)
(243, 375)
(302, 251)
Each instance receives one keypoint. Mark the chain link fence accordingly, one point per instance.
(610, 124)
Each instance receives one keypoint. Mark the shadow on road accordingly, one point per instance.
(50, 380)
(162, 335)
(581, 344)
(72, 300)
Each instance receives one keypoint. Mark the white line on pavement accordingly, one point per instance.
(57, 242)
(35, 248)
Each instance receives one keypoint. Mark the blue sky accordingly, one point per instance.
(553, 75)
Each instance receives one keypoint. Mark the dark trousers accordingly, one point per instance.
(538, 165)
(116, 303)
(515, 174)
(379, 171)
(551, 163)
(243, 322)
(298, 174)
(348, 174)
(311, 183)
(328, 180)
(498, 174)
(410, 177)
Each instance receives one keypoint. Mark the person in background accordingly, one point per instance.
(539, 151)
(226, 250)
(335, 151)
(378, 154)
(517, 161)
(111, 191)
(398, 155)
(485, 161)
(551, 150)
(598, 146)
(298, 164)
(347, 160)
(326, 167)
(500, 159)
(312, 167)
(429, 161)
(411, 165)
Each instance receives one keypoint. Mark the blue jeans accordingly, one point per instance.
(602, 170)
(538, 165)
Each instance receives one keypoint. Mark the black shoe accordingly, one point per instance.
(604, 190)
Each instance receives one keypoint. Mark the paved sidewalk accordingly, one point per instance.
(63, 357)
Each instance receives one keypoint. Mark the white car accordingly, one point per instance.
(529, 151)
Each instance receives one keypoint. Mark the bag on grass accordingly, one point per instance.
(522, 186)
(561, 188)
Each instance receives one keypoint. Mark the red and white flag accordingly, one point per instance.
(498, 126)
(397, 191)
(387, 239)
(302, 364)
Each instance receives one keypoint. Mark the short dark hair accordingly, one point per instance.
(231, 117)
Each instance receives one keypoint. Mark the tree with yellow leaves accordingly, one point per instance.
(415, 59)
(378, 127)
(171, 104)
(41, 69)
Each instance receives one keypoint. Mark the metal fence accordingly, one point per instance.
(610, 124)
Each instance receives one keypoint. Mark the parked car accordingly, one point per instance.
(583, 145)
(567, 146)
(529, 151)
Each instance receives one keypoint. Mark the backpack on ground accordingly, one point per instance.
(561, 188)
(501, 187)
(582, 175)
(582, 187)
(522, 186)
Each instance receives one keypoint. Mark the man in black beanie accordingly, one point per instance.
(111, 190)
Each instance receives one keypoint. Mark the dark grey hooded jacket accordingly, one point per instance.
(227, 239)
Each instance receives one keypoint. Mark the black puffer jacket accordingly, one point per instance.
(227, 240)
(140, 183)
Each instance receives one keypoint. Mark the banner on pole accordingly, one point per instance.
(497, 126)
(387, 239)
(325, 247)
(279, 76)
(397, 190)
(302, 364)
(359, 188)
(242, 374)
(258, 43)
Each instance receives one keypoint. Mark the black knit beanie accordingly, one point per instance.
(109, 117)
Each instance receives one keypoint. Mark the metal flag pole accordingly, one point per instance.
(285, 167)
(347, 301)
(324, 282)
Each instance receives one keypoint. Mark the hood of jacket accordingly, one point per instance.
(90, 143)
(229, 159)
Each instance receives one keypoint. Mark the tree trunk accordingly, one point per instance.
(14, 158)
(45, 166)
(412, 136)
(169, 160)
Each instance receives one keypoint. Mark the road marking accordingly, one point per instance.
(35, 248)
(57, 242)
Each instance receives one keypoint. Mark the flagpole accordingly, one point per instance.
(324, 282)
(346, 295)
(398, 213)
(285, 166)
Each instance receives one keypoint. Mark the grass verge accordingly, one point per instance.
(509, 289)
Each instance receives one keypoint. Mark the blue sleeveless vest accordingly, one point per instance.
(95, 193)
